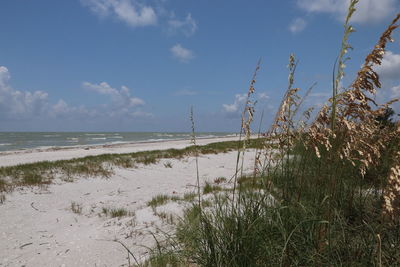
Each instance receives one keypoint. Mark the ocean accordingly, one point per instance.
(30, 140)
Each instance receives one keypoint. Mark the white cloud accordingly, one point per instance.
(262, 96)
(120, 98)
(390, 67)
(387, 93)
(19, 104)
(122, 103)
(16, 105)
(141, 114)
(240, 100)
(181, 53)
(237, 105)
(297, 25)
(368, 11)
(395, 91)
(62, 109)
(188, 26)
(129, 11)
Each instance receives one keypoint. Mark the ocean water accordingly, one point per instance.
(30, 140)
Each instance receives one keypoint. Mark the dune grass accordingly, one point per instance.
(116, 212)
(158, 200)
(209, 188)
(324, 192)
(76, 207)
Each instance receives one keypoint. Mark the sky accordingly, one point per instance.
(139, 65)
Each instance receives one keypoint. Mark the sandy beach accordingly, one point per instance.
(39, 228)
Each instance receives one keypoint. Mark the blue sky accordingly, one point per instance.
(138, 65)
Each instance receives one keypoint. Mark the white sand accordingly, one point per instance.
(38, 227)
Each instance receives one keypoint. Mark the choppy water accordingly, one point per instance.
(30, 140)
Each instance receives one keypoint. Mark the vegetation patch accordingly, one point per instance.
(76, 207)
(189, 196)
(209, 188)
(329, 196)
(168, 164)
(39, 173)
(220, 180)
(116, 212)
(158, 200)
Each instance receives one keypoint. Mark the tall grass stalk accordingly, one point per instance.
(196, 155)
(246, 120)
(348, 29)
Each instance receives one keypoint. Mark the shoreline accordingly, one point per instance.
(28, 141)
(16, 157)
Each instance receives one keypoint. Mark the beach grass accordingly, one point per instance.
(116, 212)
(209, 188)
(158, 200)
(188, 197)
(76, 207)
(324, 192)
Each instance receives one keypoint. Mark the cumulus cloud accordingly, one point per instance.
(297, 25)
(62, 110)
(181, 53)
(390, 67)
(122, 102)
(368, 11)
(239, 102)
(131, 12)
(236, 105)
(262, 96)
(16, 104)
(120, 98)
(20, 104)
(395, 91)
(188, 26)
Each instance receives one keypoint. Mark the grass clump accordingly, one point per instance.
(76, 207)
(116, 212)
(148, 159)
(209, 188)
(189, 196)
(168, 164)
(220, 180)
(32, 178)
(119, 212)
(164, 257)
(158, 200)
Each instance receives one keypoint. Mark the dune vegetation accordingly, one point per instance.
(325, 190)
